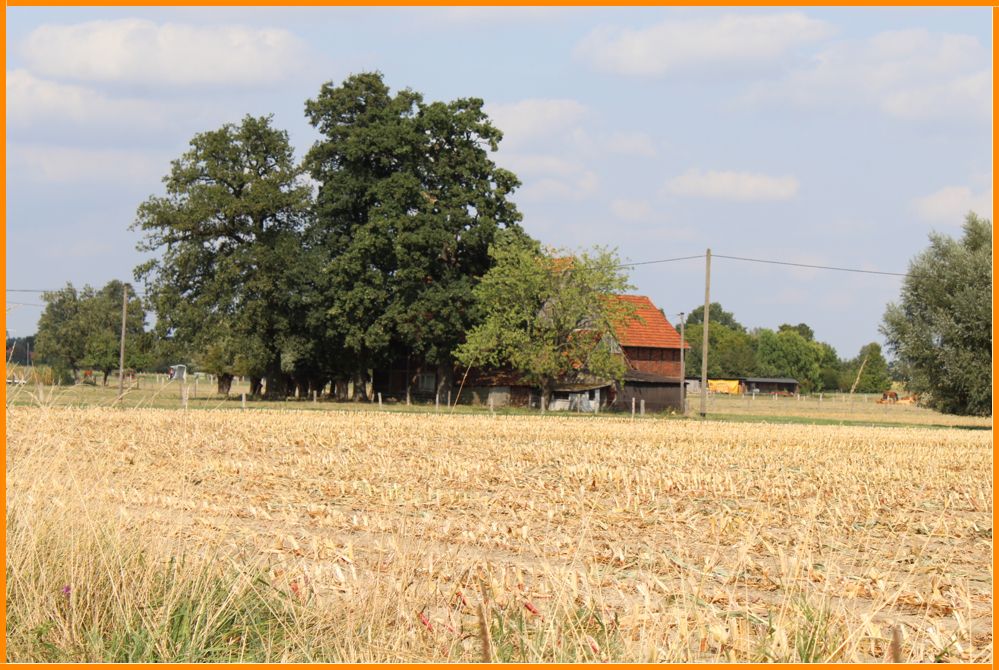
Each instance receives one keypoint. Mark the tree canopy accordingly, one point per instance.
(941, 328)
(716, 315)
(874, 377)
(82, 329)
(229, 231)
(408, 203)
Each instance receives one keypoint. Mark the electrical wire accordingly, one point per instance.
(816, 267)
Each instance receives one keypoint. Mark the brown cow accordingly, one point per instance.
(889, 397)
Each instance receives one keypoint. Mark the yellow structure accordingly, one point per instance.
(731, 386)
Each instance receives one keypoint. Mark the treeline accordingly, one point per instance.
(299, 274)
(790, 351)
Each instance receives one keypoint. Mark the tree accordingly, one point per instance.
(407, 206)
(941, 330)
(731, 351)
(802, 329)
(100, 326)
(20, 350)
(830, 367)
(787, 354)
(874, 378)
(717, 315)
(83, 329)
(60, 343)
(229, 229)
(547, 316)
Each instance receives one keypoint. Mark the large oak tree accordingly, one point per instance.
(230, 233)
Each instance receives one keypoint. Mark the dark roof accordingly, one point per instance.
(771, 380)
(649, 328)
(649, 378)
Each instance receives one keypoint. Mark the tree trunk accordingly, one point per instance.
(256, 385)
(224, 384)
(360, 386)
(106, 373)
(547, 389)
(277, 386)
(339, 389)
(445, 380)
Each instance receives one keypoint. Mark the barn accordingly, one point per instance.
(771, 385)
(651, 348)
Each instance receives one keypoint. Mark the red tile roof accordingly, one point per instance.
(653, 330)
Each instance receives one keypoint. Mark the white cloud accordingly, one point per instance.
(631, 210)
(729, 42)
(57, 164)
(531, 165)
(732, 185)
(579, 186)
(905, 74)
(951, 204)
(31, 100)
(494, 15)
(528, 120)
(631, 144)
(137, 51)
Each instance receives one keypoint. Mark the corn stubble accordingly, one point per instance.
(353, 536)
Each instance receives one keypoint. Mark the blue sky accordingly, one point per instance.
(826, 136)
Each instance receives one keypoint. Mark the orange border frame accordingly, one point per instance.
(416, 3)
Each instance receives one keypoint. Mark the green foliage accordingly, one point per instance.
(941, 329)
(717, 315)
(407, 206)
(788, 354)
(83, 330)
(548, 317)
(59, 342)
(731, 352)
(874, 378)
(830, 367)
(229, 229)
(802, 329)
(20, 350)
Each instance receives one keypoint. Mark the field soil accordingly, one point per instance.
(682, 540)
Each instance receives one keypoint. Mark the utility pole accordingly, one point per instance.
(704, 347)
(683, 371)
(121, 351)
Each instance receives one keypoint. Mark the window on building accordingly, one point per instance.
(427, 381)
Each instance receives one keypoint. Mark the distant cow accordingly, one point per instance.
(889, 397)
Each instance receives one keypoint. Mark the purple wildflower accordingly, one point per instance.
(66, 590)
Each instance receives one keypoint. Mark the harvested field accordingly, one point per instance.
(583, 539)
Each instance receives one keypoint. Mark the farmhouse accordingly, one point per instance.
(650, 346)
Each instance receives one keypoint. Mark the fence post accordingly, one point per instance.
(244, 400)
(437, 401)
(491, 405)
(449, 398)
(379, 399)
(632, 407)
(315, 396)
(643, 406)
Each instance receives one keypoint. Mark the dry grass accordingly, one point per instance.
(833, 408)
(374, 536)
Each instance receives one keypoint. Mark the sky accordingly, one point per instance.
(825, 136)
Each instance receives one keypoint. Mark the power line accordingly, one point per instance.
(816, 267)
(664, 260)
(637, 263)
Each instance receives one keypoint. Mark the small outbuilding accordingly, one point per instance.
(771, 385)
(659, 392)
